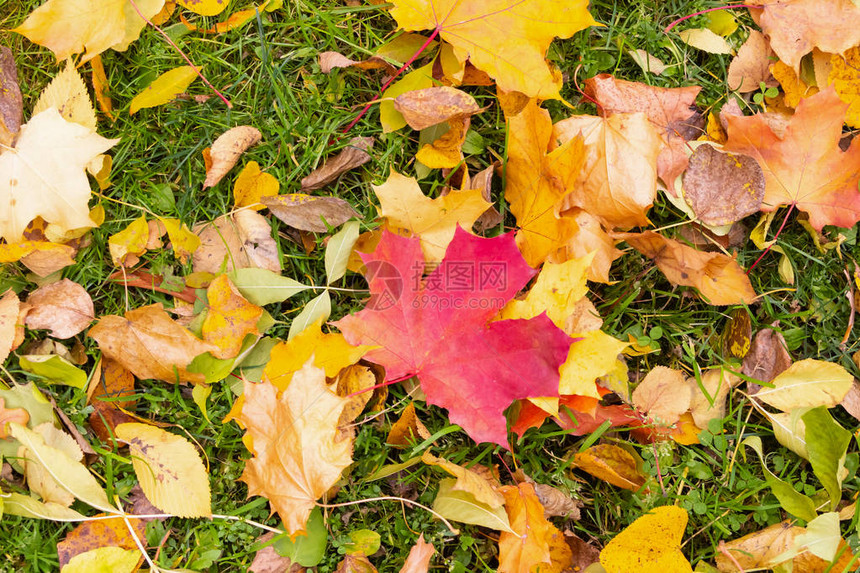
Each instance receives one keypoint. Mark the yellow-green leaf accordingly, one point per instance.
(169, 469)
(110, 559)
(164, 89)
(808, 384)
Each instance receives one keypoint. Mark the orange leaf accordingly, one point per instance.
(89, 535)
(612, 464)
(229, 319)
(530, 546)
(11, 415)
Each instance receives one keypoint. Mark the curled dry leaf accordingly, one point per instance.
(768, 356)
(407, 429)
(243, 240)
(722, 188)
(663, 395)
(309, 213)
(556, 503)
(299, 452)
(11, 103)
(226, 150)
(355, 154)
(718, 277)
(332, 60)
(150, 344)
(612, 464)
(468, 481)
(671, 110)
(65, 308)
(752, 65)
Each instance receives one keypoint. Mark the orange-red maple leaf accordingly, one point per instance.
(805, 167)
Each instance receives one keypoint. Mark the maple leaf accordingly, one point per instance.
(436, 329)
(671, 110)
(150, 344)
(229, 319)
(44, 175)
(69, 27)
(529, 548)
(794, 27)
(508, 39)
(537, 181)
(434, 220)
(805, 167)
(299, 452)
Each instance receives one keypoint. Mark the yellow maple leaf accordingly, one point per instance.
(69, 27)
(845, 77)
(253, 184)
(229, 319)
(434, 220)
(537, 181)
(299, 452)
(508, 39)
(651, 544)
(794, 88)
(128, 244)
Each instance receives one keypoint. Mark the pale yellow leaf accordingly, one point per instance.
(164, 88)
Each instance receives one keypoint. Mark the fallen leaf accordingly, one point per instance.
(722, 188)
(480, 32)
(298, 451)
(147, 342)
(589, 237)
(355, 564)
(110, 559)
(68, 94)
(130, 243)
(65, 308)
(113, 382)
(355, 383)
(705, 40)
(333, 60)
(405, 206)
(611, 464)
(99, 25)
(557, 503)
(845, 78)
(243, 240)
(40, 480)
(45, 177)
(113, 532)
(671, 110)
(417, 79)
(759, 549)
(528, 547)
(268, 560)
(10, 306)
(407, 429)
(648, 63)
(793, 87)
(709, 396)
(651, 544)
(182, 240)
(169, 469)
(355, 154)
(718, 277)
(795, 27)
(164, 88)
(226, 150)
(204, 7)
(418, 560)
(618, 181)
(461, 362)
(11, 415)
(11, 103)
(807, 384)
(768, 356)
(459, 505)
(751, 66)
(101, 89)
(663, 395)
(805, 168)
(537, 180)
(583, 553)
(468, 481)
(229, 318)
(310, 213)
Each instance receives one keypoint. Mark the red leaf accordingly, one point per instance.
(436, 328)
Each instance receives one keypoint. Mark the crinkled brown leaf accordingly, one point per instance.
(310, 213)
(355, 154)
(226, 150)
(239, 241)
(11, 104)
(671, 110)
(65, 308)
(150, 344)
(557, 503)
(267, 559)
(722, 188)
(357, 563)
(718, 277)
(768, 356)
(407, 430)
(430, 106)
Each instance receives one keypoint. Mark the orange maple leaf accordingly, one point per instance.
(508, 39)
(805, 167)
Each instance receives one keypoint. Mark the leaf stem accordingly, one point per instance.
(391, 79)
(699, 13)
(773, 242)
(181, 53)
(453, 529)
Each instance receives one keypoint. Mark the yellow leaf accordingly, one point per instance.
(229, 319)
(9, 253)
(183, 241)
(299, 452)
(101, 88)
(845, 77)
(527, 549)
(169, 468)
(795, 88)
(468, 481)
(204, 7)
(612, 464)
(651, 544)
(69, 27)
(129, 242)
(68, 94)
(109, 559)
(807, 384)
(508, 40)
(594, 355)
(164, 88)
(251, 185)
(43, 176)
(433, 220)
(705, 40)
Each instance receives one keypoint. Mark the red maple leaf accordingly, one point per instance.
(437, 328)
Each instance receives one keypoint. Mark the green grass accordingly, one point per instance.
(269, 70)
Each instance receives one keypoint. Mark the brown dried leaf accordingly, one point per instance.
(65, 308)
(243, 240)
(357, 563)
(584, 554)
(722, 188)
(752, 65)
(11, 104)
(267, 559)
(226, 150)
(89, 535)
(430, 106)
(717, 276)
(355, 154)
(310, 213)
(663, 395)
(768, 356)
(150, 344)
(556, 503)
(332, 60)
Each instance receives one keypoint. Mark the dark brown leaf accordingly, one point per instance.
(768, 356)
(11, 106)
(356, 153)
(310, 213)
(722, 188)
